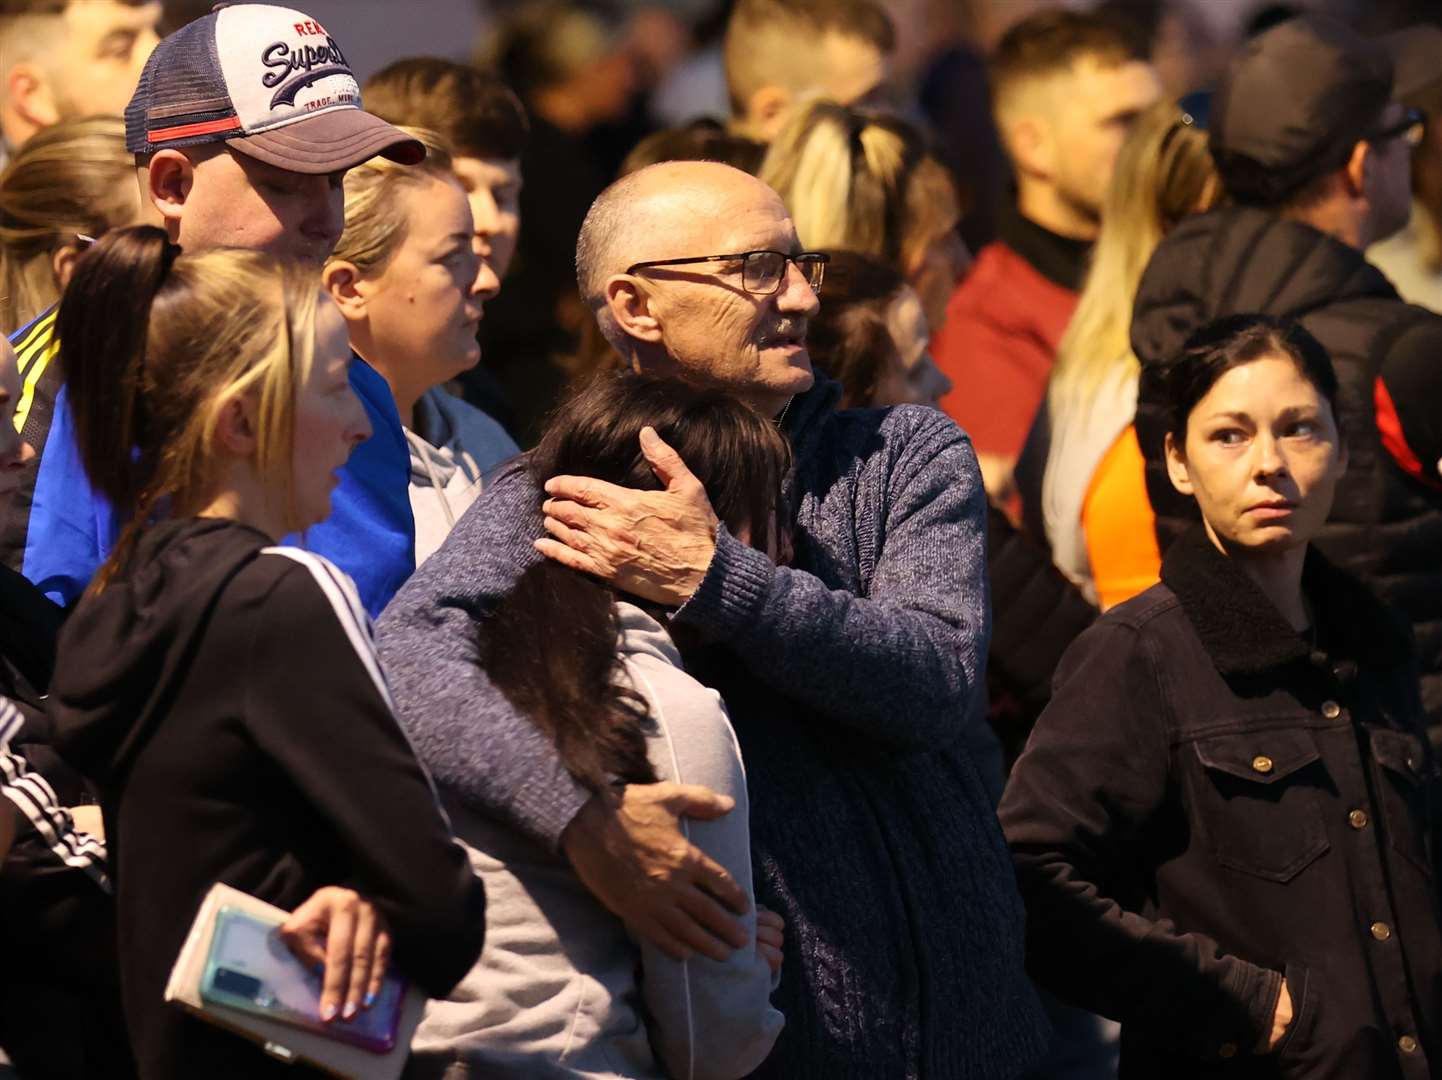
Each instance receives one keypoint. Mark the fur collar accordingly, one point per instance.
(1245, 635)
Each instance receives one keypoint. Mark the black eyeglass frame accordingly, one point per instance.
(819, 258)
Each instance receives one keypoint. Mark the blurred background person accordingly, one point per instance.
(1093, 498)
(56, 909)
(67, 59)
(408, 279)
(871, 336)
(485, 125)
(782, 53)
(867, 182)
(1412, 259)
(1312, 180)
(572, 65)
(72, 180)
(1066, 87)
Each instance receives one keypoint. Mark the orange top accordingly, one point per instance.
(1120, 528)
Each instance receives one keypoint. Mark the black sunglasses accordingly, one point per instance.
(761, 271)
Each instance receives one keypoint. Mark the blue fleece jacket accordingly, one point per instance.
(370, 533)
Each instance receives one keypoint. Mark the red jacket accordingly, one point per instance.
(1002, 328)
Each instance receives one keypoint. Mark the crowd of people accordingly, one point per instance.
(780, 645)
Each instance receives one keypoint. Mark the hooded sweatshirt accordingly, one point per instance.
(561, 990)
(224, 697)
(454, 447)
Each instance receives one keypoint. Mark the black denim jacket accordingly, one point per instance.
(1210, 801)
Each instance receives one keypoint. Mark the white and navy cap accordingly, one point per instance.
(270, 82)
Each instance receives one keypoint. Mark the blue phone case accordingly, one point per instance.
(250, 968)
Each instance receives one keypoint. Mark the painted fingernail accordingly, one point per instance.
(370, 1000)
(349, 1012)
(328, 1013)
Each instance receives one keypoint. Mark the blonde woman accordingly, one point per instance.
(866, 182)
(1094, 503)
(70, 181)
(411, 286)
(221, 690)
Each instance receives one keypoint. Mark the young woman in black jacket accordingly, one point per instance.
(221, 691)
(1225, 823)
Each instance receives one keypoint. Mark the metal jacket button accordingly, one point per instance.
(1227, 1050)
(1262, 763)
(1357, 819)
(1331, 710)
(1407, 1044)
(1381, 931)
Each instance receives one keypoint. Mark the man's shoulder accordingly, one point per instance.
(890, 438)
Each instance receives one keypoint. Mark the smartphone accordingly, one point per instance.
(250, 968)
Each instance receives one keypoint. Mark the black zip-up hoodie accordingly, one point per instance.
(224, 697)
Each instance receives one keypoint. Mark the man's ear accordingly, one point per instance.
(1359, 166)
(1033, 149)
(168, 180)
(767, 111)
(347, 288)
(1177, 466)
(236, 427)
(630, 307)
(29, 94)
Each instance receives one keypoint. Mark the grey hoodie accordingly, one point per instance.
(454, 448)
(557, 991)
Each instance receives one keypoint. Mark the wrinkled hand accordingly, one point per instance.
(1281, 1018)
(343, 932)
(653, 544)
(634, 859)
(770, 937)
(89, 819)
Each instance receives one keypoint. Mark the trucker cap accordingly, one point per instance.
(1295, 102)
(268, 81)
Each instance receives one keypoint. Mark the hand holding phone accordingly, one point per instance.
(252, 968)
(341, 931)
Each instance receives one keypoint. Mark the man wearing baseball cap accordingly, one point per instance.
(1313, 142)
(243, 125)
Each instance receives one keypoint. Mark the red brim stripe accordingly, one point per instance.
(188, 131)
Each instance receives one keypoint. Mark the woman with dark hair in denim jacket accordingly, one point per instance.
(1224, 824)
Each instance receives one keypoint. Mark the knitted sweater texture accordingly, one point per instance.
(855, 679)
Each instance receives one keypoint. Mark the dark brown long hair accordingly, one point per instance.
(550, 646)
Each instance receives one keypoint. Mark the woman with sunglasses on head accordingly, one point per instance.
(562, 989)
(1225, 822)
(221, 691)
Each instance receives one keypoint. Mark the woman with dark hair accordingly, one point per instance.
(555, 992)
(1224, 824)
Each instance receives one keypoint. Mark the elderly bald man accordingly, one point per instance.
(852, 675)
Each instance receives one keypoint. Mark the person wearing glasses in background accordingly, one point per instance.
(1312, 180)
(851, 673)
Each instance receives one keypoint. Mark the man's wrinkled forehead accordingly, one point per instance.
(705, 219)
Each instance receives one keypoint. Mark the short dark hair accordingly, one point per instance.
(1234, 340)
(702, 139)
(472, 110)
(850, 338)
(1052, 40)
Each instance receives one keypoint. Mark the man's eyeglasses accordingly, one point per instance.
(1411, 127)
(762, 272)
